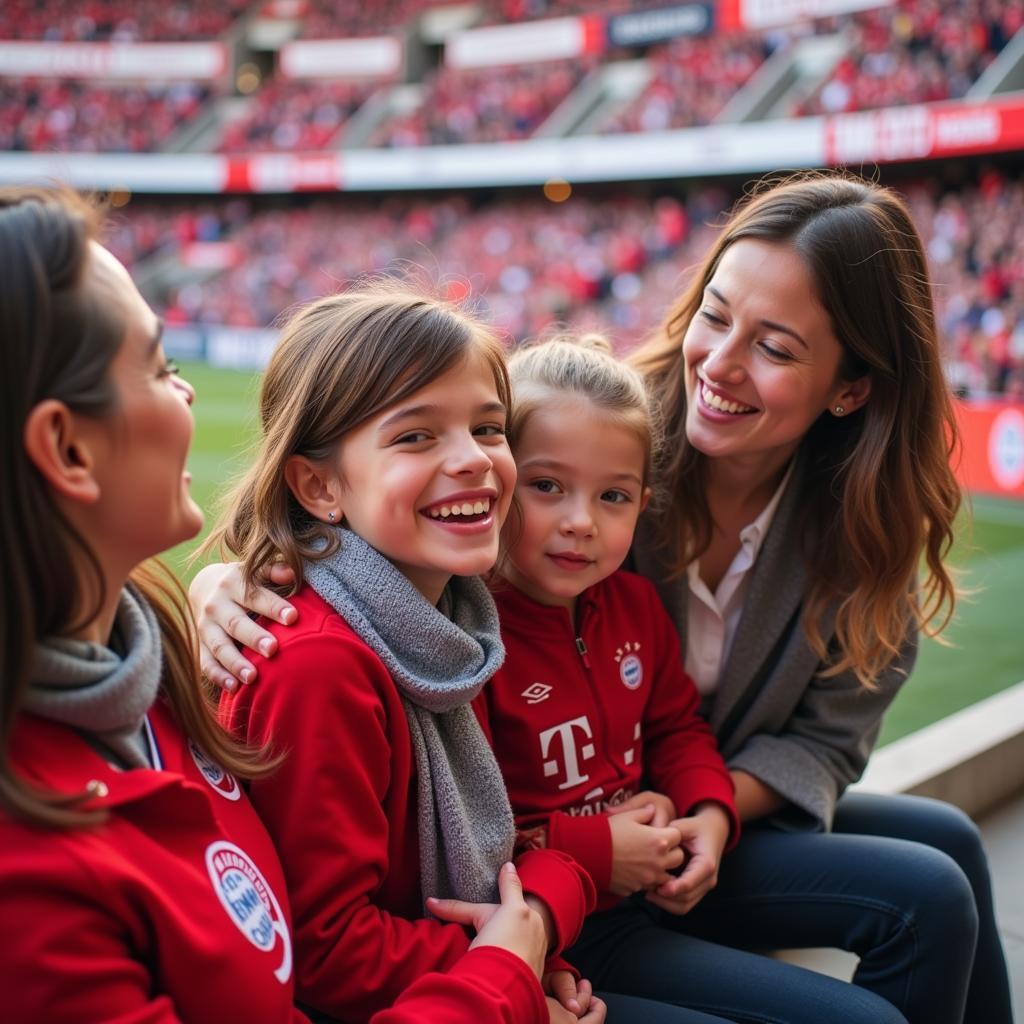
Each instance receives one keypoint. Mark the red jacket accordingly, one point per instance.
(342, 811)
(173, 909)
(582, 720)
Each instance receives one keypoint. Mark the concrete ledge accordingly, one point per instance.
(973, 759)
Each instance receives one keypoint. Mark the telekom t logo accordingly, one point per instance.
(567, 733)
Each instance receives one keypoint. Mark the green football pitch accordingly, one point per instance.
(984, 652)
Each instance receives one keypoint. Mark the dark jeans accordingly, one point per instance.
(902, 882)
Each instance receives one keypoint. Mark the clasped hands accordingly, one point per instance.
(649, 843)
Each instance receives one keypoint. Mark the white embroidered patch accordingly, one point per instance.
(250, 902)
(223, 782)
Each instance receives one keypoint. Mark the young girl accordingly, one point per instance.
(608, 705)
(382, 481)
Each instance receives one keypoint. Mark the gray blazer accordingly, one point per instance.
(806, 737)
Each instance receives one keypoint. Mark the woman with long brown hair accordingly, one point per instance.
(807, 476)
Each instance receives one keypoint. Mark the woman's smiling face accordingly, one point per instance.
(761, 356)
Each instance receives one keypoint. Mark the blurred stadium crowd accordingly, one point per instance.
(613, 259)
(912, 51)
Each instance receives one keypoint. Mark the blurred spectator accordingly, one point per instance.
(59, 115)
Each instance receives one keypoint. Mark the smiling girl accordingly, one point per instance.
(382, 481)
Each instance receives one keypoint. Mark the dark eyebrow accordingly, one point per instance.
(768, 323)
(415, 411)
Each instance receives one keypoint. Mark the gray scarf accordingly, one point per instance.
(98, 692)
(439, 664)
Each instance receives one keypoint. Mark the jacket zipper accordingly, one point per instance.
(581, 647)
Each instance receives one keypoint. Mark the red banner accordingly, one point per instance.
(992, 433)
(925, 131)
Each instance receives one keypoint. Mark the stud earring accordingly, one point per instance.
(330, 516)
(840, 410)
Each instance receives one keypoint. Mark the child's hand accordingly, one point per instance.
(221, 606)
(664, 808)
(704, 836)
(562, 985)
(642, 855)
(558, 1014)
(511, 924)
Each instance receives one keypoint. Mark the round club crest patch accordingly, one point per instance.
(223, 782)
(631, 671)
(250, 902)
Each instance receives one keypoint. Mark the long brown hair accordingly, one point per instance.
(59, 342)
(340, 361)
(878, 487)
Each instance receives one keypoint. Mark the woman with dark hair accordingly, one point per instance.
(807, 473)
(136, 881)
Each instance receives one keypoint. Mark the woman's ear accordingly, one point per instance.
(316, 488)
(59, 449)
(645, 498)
(850, 396)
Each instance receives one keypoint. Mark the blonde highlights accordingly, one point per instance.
(340, 361)
(878, 488)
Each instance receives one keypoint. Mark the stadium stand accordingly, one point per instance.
(915, 52)
(485, 105)
(123, 21)
(63, 115)
(612, 262)
(288, 115)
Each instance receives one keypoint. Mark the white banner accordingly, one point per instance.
(163, 61)
(919, 132)
(553, 39)
(756, 14)
(379, 57)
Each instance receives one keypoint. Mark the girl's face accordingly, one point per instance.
(761, 358)
(139, 451)
(428, 482)
(579, 494)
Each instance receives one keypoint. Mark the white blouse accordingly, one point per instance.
(712, 618)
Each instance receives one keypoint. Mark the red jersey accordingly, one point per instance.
(342, 811)
(172, 909)
(583, 718)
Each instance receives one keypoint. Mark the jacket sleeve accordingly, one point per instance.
(488, 985)
(320, 702)
(74, 964)
(557, 876)
(826, 742)
(680, 753)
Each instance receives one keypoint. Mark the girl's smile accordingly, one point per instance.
(428, 483)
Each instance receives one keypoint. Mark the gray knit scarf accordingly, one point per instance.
(439, 664)
(100, 693)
